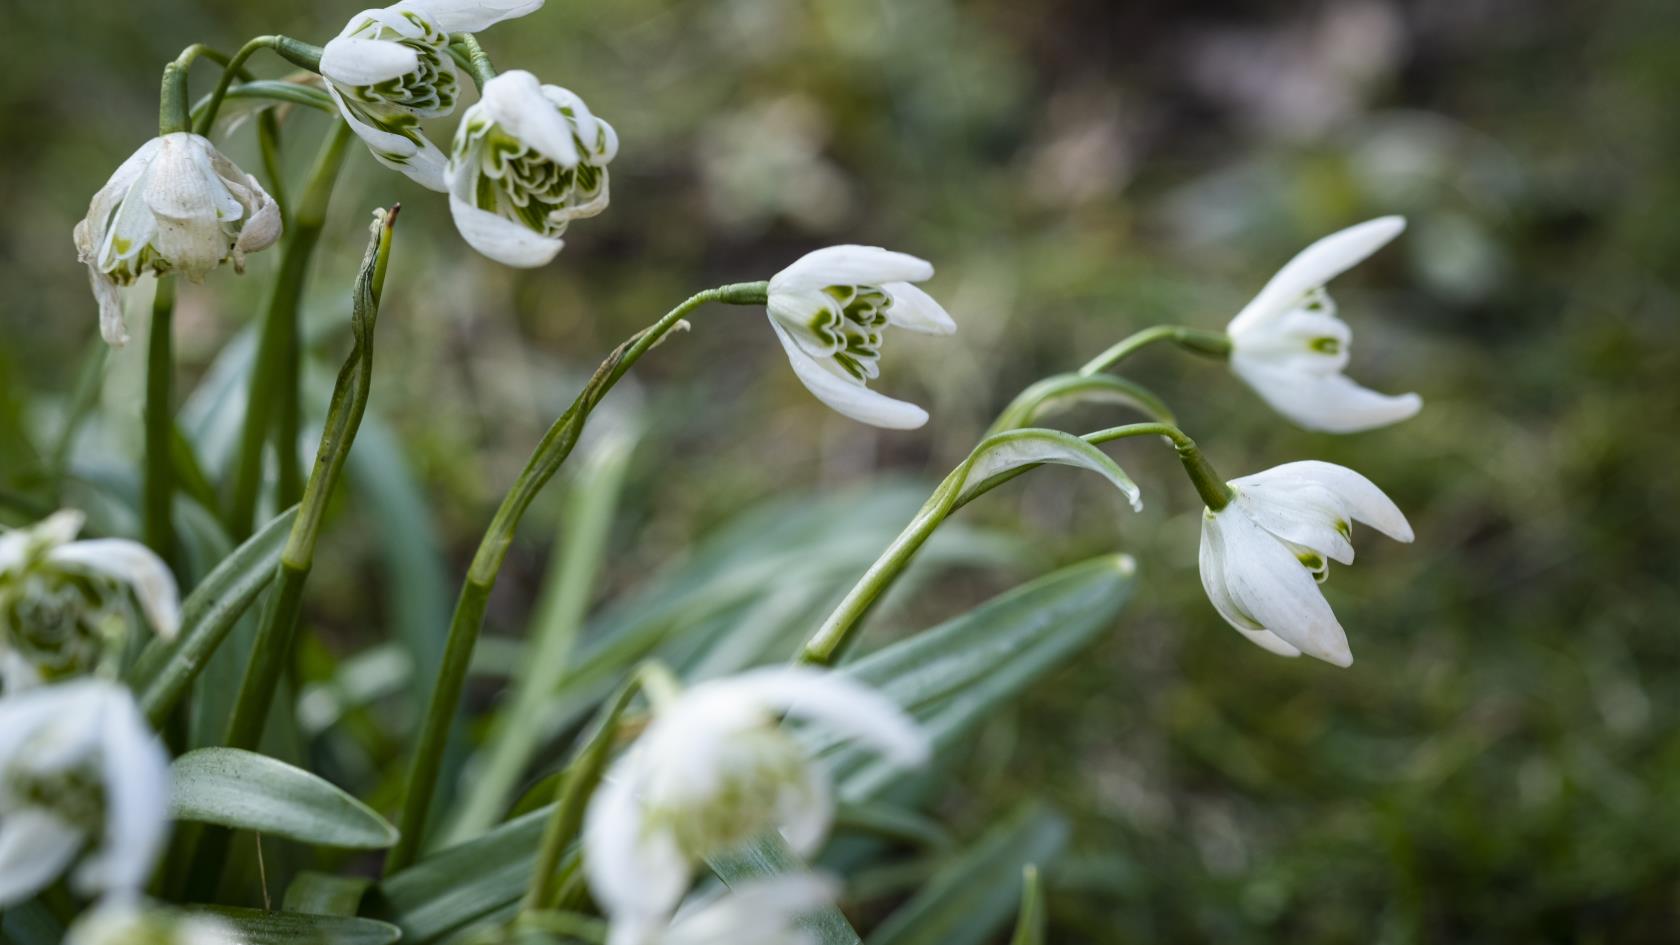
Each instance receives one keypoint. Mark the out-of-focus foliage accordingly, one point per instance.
(1500, 764)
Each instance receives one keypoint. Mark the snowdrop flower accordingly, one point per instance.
(1291, 348)
(1265, 553)
(762, 912)
(176, 205)
(59, 600)
(124, 922)
(830, 309)
(527, 160)
(391, 67)
(79, 766)
(715, 770)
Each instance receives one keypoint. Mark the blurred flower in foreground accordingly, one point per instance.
(77, 764)
(391, 67)
(1264, 555)
(763, 912)
(830, 309)
(58, 600)
(176, 205)
(1291, 348)
(124, 922)
(527, 160)
(715, 770)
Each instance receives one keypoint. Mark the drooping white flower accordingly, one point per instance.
(1291, 348)
(715, 770)
(79, 768)
(176, 205)
(390, 67)
(1264, 555)
(762, 912)
(59, 600)
(124, 921)
(831, 309)
(527, 160)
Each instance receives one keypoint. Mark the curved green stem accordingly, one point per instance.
(1213, 343)
(158, 479)
(465, 49)
(468, 620)
(298, 53)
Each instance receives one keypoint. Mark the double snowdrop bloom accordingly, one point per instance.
(176, 205)
(528, 159)
(78, 767)
(713, 771)
(391, 67)
(1291, 348)
(126, 922)
(1264, 554)
(62, 610)
(831, 309)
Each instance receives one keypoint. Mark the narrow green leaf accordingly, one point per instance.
(1030, 921)
(1001, 453)
(326, 893)
(248, 791)
(463, 885)
(30, 923)
(770, 855)
(166, 668)
(967, 900)
(1063, 392)
(256, 927)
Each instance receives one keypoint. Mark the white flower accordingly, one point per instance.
(715, 770)
(176, 205)
(389, 68)
(831, 308)
(123, 921)
(762, 912)
(527, 160)
(77, 767)
(1291, 348)
(1264, 555)
(58, 600)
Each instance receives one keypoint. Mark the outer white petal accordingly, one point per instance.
(22, 715)
(586, 127)
(836, 703)
(515, 100)
(917, 311)
(1287, 341)
(352, 61)
(35, 847)
(189, 202)
(636, 874)
(1212, 566)
(136, 773)
(470, 16)
(502, 239)
(1267, 582)
(1331, 403)
(113, 326)
(59, 528)
(263, 227)
(760, 912)
(805, 811)
(1304, 513)
(135, 565)
(1316, 265)
(107, 198)
(846, 395)
(1365, 502)
(422, 163)
(850, 265)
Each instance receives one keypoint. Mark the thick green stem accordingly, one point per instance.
(466, 50)
(1212, 343)
(158, 475)
(269, 382)
(303, 54)
(464, 627)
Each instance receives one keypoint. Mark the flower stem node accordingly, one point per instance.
(714, 771)
(176, 205)
(1265, 553)
(830, 309)
(527, 160)
(1291, 348)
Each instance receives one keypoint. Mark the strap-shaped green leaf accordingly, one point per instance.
(1067, 391)
(325, 893)
(256, 927)
(166, 668)
(1001, 453)
(248, 791)
(463, 885)
(1031, 920)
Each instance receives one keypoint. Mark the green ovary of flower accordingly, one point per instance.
(852, 328)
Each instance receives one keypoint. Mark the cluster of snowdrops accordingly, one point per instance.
(85, 778)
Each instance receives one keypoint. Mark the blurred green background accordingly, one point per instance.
(1500, 763)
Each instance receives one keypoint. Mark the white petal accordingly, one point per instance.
(515, 100)
(1267, 582)
(845, 394)
(352, 62)
(1306, 514)
(805, 811)
(585, 126)
(1289, 342)
(113, 326)
(917, 311)
(1316, 265)
(1365, 502)
(758, 912)
(1331, 403)
(109, 197)
(634, 873)
(422, 163)
(136, 774)
(1213, 581)
(834, 702)
(470, 16)
(190, 203)
(850, 265)
(500, 238)
(57, 529)
(135, 565)
(263, 226)
(35, 847)
(22, 715)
